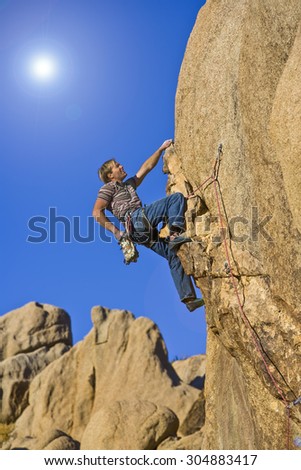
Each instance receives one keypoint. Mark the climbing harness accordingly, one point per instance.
(145, 235)
(229, 271)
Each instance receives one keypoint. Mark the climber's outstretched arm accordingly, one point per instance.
(151, 162)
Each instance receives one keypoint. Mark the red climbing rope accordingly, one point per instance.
(214, 179)
(244, 316)
(191, 195)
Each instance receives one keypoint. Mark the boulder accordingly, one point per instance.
(191, 370)
(16, 374)
(129, 425)
(122, 359)
(31, 338)
(31, 327)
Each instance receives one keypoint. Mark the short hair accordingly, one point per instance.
(105, 169)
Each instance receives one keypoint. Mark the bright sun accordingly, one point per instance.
(43, 68)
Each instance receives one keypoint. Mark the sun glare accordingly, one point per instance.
(43, 68)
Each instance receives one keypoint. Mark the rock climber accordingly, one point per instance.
(118, 195)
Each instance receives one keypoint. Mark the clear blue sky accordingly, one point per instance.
(112, 95)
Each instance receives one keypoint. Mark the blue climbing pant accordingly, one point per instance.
(169, 210)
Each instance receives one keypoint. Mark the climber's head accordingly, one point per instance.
(111, 171)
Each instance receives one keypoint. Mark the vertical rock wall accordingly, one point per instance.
(239, 86)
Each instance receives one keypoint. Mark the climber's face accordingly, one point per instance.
(117, 172)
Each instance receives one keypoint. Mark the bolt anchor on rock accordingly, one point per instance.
(227, 267)
(294, 403)
(217, 162)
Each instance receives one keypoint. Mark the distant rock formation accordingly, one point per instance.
(239, 86)
(114, 390)
(31, 338)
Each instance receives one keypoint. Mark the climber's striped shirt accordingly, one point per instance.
(121, 197)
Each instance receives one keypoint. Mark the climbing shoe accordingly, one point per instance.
(177, 242)
(194, 304)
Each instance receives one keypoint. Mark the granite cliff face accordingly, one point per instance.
(239, 87)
